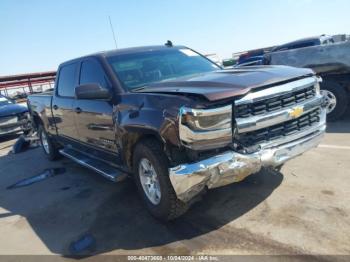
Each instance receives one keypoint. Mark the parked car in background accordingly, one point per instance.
(228, 62)
(176, 122)
(305, 42)
(251, 61)
(329, 60)
(14, 118)
(253, 57)
(256, 57)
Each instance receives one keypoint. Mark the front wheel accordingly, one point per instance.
(153, 183)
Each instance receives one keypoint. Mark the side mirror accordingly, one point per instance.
(92, 91)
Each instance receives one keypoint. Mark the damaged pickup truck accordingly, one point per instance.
(176, 122)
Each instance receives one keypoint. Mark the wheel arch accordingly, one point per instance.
(36, 120)
(133, 138)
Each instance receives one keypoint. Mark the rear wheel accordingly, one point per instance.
(336, 99)
(49, 148)
(153, 183)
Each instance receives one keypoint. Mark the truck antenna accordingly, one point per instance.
(115, 41)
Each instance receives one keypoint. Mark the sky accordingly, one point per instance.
(37, 35)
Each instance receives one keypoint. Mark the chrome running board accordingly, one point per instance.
(94, 164)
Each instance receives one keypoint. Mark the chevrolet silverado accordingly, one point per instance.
(175, 121)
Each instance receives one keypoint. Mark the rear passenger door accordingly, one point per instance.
(63, 100)
(94, 118)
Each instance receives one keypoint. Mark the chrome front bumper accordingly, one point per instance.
(190, 179)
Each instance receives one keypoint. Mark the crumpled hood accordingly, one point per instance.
(12, 109)
(223, 84)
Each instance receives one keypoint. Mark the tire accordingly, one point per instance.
(166, 206)
(49, 148)
(336, 93)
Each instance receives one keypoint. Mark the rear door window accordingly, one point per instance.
(66, 80)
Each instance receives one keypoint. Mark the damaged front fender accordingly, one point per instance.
(144, 115)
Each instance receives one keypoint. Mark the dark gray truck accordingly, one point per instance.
(330, 61)
(175, 121)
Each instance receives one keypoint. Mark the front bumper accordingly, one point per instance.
(188, 180)
(15, 127)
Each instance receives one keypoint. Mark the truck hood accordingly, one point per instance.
(223, 84)
(12, 109)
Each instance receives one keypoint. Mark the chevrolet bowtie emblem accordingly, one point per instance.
(296, 112)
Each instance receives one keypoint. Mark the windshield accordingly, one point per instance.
(4, 101)
(140, 69)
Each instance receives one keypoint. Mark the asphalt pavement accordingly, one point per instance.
(62, 208)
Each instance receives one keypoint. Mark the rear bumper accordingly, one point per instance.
(190, 179)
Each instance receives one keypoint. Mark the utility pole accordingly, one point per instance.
(115, 41)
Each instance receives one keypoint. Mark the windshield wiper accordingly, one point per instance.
(138, 88)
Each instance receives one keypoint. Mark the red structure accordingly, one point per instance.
(26, 83)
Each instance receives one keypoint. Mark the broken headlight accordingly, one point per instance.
(207, 119)
(206, 127)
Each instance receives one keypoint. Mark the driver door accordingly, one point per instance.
(94, 117)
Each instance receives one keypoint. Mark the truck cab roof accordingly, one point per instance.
(122, 51)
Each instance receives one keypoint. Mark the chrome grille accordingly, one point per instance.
(274, 104)
(280, 130)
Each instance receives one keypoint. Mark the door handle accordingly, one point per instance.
(78, 110)
(55, 107)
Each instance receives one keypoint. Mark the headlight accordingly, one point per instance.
(207, 127)
(207, 119)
